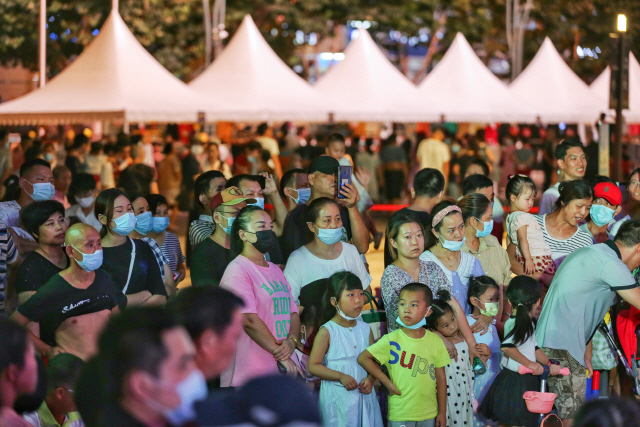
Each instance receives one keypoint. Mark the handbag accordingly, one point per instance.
(375, 317)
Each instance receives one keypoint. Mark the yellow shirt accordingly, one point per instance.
(412, 364)
(493, 258)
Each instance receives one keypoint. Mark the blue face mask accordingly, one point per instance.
(329, 235)
(190, 390)
(304, 194)
(143, 223)
(227, 229)
(601, 215)
(159, 224)
(452, 245)
(488, 228)
(259, 202)
(418, 325)
(42, 191)
(125, 224)
(90, 262)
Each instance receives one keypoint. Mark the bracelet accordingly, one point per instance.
(295, 341)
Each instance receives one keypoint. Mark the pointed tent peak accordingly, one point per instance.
(115, 5)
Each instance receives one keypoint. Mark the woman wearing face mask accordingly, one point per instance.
(159, 207)
(446, 238)
(45, 222)
(606, 205)
(405, 240)
(326, 254)
(211, 257)
(271, 321)
(130, 262)
(83, 190)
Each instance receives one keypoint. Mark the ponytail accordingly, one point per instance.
(13, 189)
(439, 307)
(523, 293)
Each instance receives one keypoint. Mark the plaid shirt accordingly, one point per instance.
(157, 252)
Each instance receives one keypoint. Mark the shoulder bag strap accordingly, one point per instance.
(133, 259)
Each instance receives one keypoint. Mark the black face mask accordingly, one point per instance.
(266, 240)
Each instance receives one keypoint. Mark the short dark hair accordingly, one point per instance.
(573, 190)
(203, 183)
(13, 344)
(64, 370)
(132, 340)
(474, 182)
(81, 183)
(478, 162)
(202, 308)
(237, 179)
(154, 201)
(59, 170)
(419, 287)
(288, 178)
(336, 137)
(104, 206)
(428, 183)
(37, 213)
(253, 145)
(262, 128)
(96, 147)
(29, 164)
(629, 233)
(610, 412)
(79, 140)
(564, 146)
(517, 184)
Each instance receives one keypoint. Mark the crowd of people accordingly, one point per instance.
(283, 321)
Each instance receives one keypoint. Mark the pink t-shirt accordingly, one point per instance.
(266, 292)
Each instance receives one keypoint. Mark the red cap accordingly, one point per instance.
(608, 191)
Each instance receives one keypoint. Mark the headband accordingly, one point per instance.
(444, 212)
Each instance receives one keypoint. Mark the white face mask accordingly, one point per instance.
(85, 202)
(341, 313)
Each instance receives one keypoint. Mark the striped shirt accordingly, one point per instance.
(158, 253)
(561, 248)
(8, 255)
(201, 229)
(172, 251)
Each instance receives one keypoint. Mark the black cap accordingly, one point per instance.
(324, 164)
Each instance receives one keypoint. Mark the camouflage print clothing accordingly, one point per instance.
(570, 389)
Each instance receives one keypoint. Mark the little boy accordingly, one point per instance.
(416, 359)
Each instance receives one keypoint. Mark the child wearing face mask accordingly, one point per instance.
(461, 402)
(523, 229)
(347, 397)
(415, 358)
(484, 298)
(503, 401)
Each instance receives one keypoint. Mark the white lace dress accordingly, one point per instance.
(338, 406)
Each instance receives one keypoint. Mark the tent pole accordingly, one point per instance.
(43, 43)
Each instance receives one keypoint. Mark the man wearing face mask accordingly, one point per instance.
(294, 187)
(35, 184)
(75, 304)
(149, 363)
(83, 190)
(211, 257)
(606, 205)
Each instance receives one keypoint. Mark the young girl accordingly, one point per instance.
(459, 373)
(347, 397)
(484, 298)
(504, 402)
(523, 229)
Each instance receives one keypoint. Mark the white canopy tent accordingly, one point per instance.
(600, 87)
(249, 82)
(366, 87)
(553, 91)
(114, 78)
(462, 89)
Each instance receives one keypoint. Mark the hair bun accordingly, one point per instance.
(444, 295)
